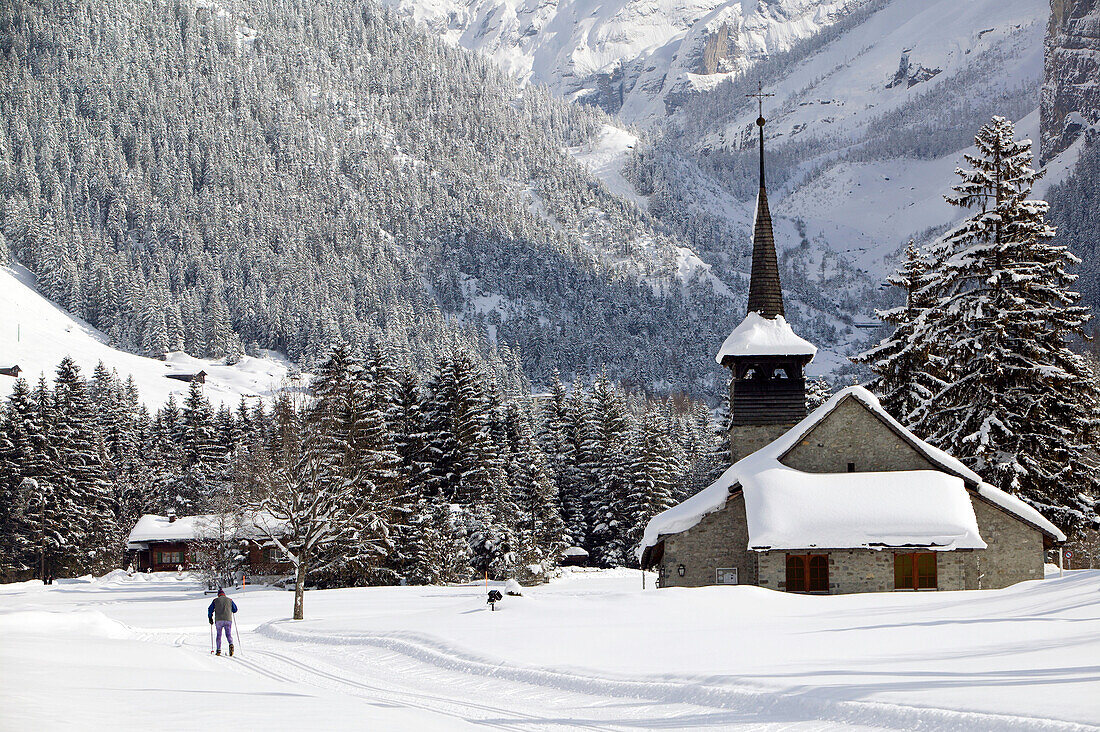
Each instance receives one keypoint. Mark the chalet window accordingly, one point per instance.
(169, 557)
(750, 374)
(779, 373)
(272, 554)
(807, 573)
(851, 467)
(916, 571)
(726, 576)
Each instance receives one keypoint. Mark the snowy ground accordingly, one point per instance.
(590, 651)
(36, 334)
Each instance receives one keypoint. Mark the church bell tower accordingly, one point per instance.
(765, 357)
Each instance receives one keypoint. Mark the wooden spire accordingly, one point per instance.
(765, 291)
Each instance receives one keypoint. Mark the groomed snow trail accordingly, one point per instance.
(587, 652)
(408, 678)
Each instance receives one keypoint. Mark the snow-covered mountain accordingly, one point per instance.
(636, 58)
(867, 126)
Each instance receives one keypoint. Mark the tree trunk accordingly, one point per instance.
(300, 591)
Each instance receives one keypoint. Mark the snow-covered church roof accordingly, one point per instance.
(151, 527)
(760, 336)
(791, 509)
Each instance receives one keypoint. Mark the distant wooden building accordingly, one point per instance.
(199, 377)
(12, 371)
(167, 543)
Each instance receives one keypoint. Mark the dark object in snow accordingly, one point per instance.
(10, 370)
(494, 598)
(199, 377)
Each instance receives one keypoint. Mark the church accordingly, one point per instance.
(844, 499)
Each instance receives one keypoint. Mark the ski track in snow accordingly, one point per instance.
(417, 672)
(432, 675)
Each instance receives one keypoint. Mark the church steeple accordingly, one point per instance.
(766, 358)
(765, 291)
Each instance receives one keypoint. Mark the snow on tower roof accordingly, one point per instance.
(788, 508)
(760, 336)
(151, 527)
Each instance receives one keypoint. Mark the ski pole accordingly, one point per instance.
(211, 637)
(238, 632)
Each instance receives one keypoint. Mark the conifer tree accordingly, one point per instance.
(559, 440)
(1018, 405)
(79, 516)
(905, 377)
(440, 552)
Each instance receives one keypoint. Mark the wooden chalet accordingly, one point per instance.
(12, 371)
(199, 377)
(169, 543)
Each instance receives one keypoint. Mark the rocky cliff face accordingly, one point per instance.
(1071, 88)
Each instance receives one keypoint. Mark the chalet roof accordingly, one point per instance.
(153, 528)
(761, 336)
(788, 508)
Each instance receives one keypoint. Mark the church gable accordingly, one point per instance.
(852, 438)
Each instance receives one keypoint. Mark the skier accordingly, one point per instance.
(222, 608)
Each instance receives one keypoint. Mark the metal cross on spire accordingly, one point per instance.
(759, 96)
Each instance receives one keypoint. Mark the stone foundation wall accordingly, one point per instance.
(867, 570)
(718, 541)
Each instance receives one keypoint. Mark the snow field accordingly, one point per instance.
(592, 650)
(36, 334)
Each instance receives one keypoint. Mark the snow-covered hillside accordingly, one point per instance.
(632, 57)
(36, 334)
(591, 650)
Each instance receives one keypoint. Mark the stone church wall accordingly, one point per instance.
(1015, 550)
(851, 434)
(718, 541)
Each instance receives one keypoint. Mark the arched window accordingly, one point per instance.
(779, 373)
(819, 574)
(750, 374)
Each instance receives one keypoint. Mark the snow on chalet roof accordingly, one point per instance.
(760, 336)
(151, 527)
(791, 509)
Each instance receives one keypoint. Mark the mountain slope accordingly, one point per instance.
(636, 58)
(36, 335)
(864, 134)
(286, 178)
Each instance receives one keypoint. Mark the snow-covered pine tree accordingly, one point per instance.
(25, 453)
(559, 442)
(606, 438)
(905, 377)
(818, 391)
(653, 474)
(539, 528)
(439, 548)
(82, 514)
(203, 469)
(1018, 405)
